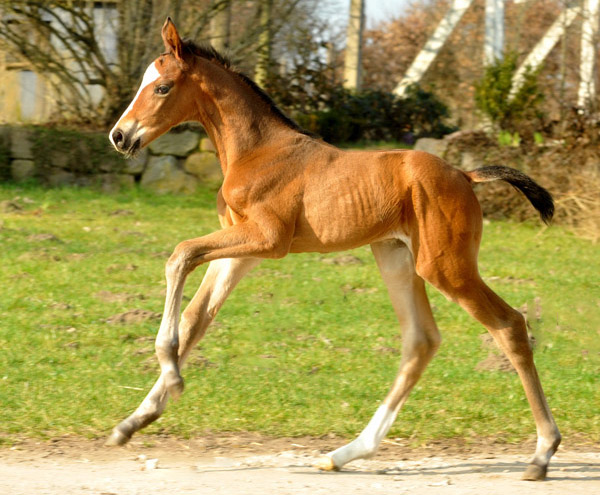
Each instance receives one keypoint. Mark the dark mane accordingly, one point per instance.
(209, 53)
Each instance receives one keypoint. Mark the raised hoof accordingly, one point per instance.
(325, 463)
(116, 439)
(535, 473)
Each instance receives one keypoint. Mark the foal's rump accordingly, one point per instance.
(446, 226)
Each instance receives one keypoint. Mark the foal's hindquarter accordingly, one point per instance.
(423, 223)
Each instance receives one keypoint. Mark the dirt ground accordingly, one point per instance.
(250, 464)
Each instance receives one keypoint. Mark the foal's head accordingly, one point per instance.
(164, 99)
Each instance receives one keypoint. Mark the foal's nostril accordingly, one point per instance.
(118, 138)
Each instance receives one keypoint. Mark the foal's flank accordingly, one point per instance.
(286, 191)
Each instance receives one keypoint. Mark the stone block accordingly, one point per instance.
(115, 182)
(22, 170)
(469, 161)
(21, 143)
(162, 175)
(434, 146)
(5, 132)
(204, 165)
(207, 145)
(61, 158)
(175, 143)
(59, 177)
(137, 164)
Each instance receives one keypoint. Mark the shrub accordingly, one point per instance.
(376, 115)
(310, 93)
(518, 113)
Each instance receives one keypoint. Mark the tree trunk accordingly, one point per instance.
(261, 72)
(220, 25)
(352, 59)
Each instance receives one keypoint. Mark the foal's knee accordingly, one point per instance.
(166, 346)
(178, 262)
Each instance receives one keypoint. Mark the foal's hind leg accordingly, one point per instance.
(507, 326)
(221, 278)
(420, 340)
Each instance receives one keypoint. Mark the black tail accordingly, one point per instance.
(539, 197)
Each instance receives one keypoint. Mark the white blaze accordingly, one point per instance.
(150, 76)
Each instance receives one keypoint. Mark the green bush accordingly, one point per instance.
(375, 115)
(310, 92)
(520, 113)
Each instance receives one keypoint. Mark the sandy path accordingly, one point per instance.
(85, 467)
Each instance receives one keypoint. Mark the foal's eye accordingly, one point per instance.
(163, 89)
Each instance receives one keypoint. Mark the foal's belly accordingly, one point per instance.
(356, 200)
(343, 223)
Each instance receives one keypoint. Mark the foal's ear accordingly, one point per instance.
(172, 40)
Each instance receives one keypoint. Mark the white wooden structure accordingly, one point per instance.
(427, 55)
(494, 44)
(545, 45)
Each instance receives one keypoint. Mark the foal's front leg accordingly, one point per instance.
(219, 281)
(246, 240)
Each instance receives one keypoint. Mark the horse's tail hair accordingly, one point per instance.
(539, 197)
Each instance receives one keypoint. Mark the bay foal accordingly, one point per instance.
(285, 191)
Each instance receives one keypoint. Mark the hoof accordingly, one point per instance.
(535, 473)
(116, 439)
(325, 463)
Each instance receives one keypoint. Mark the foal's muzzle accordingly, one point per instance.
(125, 142)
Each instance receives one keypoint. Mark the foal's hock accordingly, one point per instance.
(285, 191)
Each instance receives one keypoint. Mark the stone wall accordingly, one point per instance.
(176, 162)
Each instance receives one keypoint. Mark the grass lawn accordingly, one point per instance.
(303, 346)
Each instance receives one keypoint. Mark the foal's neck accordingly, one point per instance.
(236, 118)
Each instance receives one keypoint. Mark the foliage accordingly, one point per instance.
(511, 112)
(376, 115)
(312, 94)
(4, 155)
(578, 129)
(425, 112)
(507, 138)
(292, 341)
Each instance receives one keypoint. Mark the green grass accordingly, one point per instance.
(301, 347)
